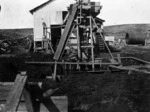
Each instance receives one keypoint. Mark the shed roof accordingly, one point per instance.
(99, 19)
(40, 6)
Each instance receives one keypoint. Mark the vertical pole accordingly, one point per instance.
(78, 43)
(92, 47)
(64, 68)
(100, 61)
(78, 40)
(55, 71)
(119, 59)
(34, 46)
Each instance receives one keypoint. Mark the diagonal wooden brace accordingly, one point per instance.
(15, 95)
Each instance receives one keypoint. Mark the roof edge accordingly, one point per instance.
(99, 19)
(40, 6)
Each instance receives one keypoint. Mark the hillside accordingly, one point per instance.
(128, 28)
(109, 91)
(18, 33)
(15, 41)
(14, 33)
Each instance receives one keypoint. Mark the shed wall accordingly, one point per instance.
(50, 14)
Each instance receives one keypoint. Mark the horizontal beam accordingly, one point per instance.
(137, 59)
(129, 68)
(130, 57)
(6, 84)
(71, 63)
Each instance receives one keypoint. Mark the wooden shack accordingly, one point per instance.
(48, 22)
(50, 13)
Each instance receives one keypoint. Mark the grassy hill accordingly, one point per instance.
(15, 41)
(14, 33)
(128, 28)
(18, 33)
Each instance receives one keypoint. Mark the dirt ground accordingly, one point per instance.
(107, 92)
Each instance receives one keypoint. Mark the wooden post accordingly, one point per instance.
(100, 61)
(92, 46)
(64, 68)
(34, 46)
(119, 59)
(78, 40)
(69, 67)
(55, 71)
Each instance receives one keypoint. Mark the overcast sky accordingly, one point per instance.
(15, 13)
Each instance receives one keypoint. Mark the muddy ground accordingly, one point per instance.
(107, 91)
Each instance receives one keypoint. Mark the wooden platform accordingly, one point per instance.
(11, 94)
(17, 97)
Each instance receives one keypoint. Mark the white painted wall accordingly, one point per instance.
(50, 14)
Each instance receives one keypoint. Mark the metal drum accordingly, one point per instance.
(136, 38)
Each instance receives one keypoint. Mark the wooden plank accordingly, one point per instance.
(78, 40)
(28, 100)
(112, 60)
(134, 58)
(6, 83)
(72, 63)
(55, 72)
(15, 94)
(130, 69)
(56, 103)
(61, 103)
(4, 91)
(66, 33)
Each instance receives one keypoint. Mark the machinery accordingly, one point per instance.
(83, 38)
(89, 36)
(82, 44)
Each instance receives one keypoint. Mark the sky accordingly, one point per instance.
(15, 13)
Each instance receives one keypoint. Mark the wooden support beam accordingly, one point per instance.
(66, 33)
(55, 72)
(71, 63)
(129, 68)
(78, 40)
(92, 43)
(15, 95)
(103, 39)
(28, 100)
(4, 91)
